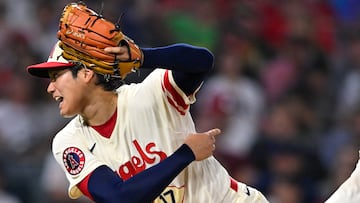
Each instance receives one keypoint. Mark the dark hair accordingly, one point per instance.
(108, 82)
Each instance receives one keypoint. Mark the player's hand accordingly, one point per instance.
(121, 52)
(202, 144)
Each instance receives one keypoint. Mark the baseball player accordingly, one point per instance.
(126, 144)
(349, 191)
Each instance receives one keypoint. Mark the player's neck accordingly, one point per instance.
(101, 108)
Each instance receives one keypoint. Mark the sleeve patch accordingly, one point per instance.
(74, 160)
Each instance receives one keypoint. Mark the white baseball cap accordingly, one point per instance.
(55, 61)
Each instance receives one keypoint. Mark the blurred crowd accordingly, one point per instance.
(285, 90)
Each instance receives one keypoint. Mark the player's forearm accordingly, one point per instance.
(106, 187)
(189, 64)
(179, 57)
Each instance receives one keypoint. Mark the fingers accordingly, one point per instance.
(214, 132)
(202, 144)
(120, 52)
(116, 50)
(113, 50)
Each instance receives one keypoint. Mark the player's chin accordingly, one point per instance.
(66, 114)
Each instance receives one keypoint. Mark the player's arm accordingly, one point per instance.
(189, 64)
(105, 186)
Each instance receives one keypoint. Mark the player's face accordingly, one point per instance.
(66, 90)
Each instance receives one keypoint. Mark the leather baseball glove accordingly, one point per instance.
(84, 34)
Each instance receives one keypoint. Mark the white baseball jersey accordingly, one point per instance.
(349, 191)
(152, 121)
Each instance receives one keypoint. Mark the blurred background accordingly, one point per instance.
(285, 90)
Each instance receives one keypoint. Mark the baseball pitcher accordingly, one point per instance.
(125, 142)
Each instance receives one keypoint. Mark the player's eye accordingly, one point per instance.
(53, 75)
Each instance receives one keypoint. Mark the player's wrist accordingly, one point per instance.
(186, 152)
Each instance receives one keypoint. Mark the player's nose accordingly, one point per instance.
(51, 88)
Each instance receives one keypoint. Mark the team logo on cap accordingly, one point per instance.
(74, 160)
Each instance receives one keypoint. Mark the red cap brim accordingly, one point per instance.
(42, 69)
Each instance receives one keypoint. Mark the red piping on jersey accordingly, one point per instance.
(233, 184)
(176, 99)
(83, 186)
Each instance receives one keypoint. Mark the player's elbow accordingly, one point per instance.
(208, 58)
(199, 57)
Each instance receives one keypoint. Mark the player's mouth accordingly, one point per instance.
(59, 99)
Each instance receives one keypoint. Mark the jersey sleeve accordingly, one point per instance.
(170, 91)
(174, 95)
(74, 156)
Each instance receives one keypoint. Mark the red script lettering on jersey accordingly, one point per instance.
(137, 164)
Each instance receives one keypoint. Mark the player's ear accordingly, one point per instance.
(87, 74)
